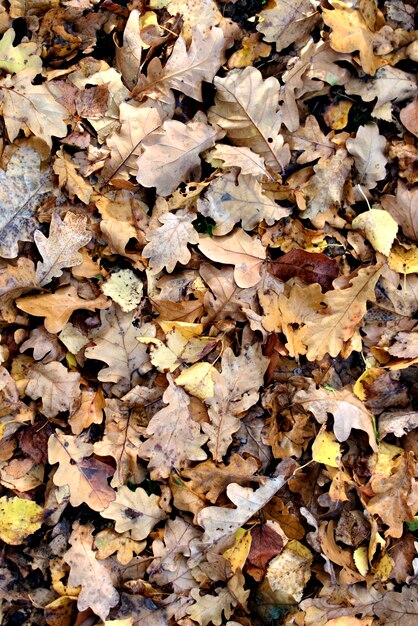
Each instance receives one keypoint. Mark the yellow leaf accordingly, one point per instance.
(385, 567)
(18, 519)
(336, 115)
(13, 59)
(380, 229)
(187, 329)
(326, 449)
(60, 612)
(164, 359)
(238, 552)
(368, 376)
(404, 261)
(361, 560)
(197, 380)
(125, 288)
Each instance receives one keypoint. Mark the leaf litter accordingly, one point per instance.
(208, 299)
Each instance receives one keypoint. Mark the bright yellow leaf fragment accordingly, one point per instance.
(326, 449)
(197, 380)
(386, 565)
(404, 261)
(361, 560)
(187, 329)
(380, 229)
(237, 554)
(18, 519)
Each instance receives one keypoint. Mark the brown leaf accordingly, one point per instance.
(58, 388)
(265, 544)
(311, 267)
(85, 476)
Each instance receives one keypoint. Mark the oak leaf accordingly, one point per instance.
(230, 199)
(219, 522)
(172, 156)
(174, 438)
(125, 144)
(97, 590)
(286, 24)
(404, 209)
(237, 110)
(23, 188)
(14, 59)
(186, 68)
(398, 608)
(234, 156)
(134, 511)
(168, 244)
(14, 280)
(61, 249)
(46, 346)
(116, 344)
(128, 57)
(329, 329)
(348, 411)
(90, 410)
(58, 307)
(367, 149)
(225, 298)
(25, 104)
(86, 477)
(208, 609)
(68, 177)
(58, 388)
(409, 117)
(239, 249)
(350, 32)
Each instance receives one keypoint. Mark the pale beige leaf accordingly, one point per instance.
(174, 438)
(326, 330)
(58, 307)
(23, 188)
(367, 149)
(90, 410)
(125, 288)
(68, 177)
(220, 522)
(404, 209)
(58, 388)
(324, 189)
(209, 609)
(405, 346)
(348, 411)
(237, 110)
(285, 24)
(246, 253)
(46, 347)
(168, 243)
(86, 477)
(25, 104)
(116, 344)
(172, 156)
(234, 156)
(14, 280)
(60, 249)
(379, 227)
(225, 299)
(125, 144)
(128, 57)
(204, 13)
(185, 69)
(97, 590)
(134, 511)
(229, 200)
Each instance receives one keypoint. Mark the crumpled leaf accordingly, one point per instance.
(97, 590)
(134, 511)
(404, 209)
(168, 243)
(14, 280)
(18, 519)
(23, 187)
(60, 249)
(230, 199)
(234, 156)
(32, 106)
(246, 123)
(172, 156)
(239, 249)
(86, 477)
(186, 68)
(173, 436)
(367, 149)
(58, 388)
(68, 176)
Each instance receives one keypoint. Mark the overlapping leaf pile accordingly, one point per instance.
(209, 294)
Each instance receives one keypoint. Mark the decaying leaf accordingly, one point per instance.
(134, 511)
(57, 388)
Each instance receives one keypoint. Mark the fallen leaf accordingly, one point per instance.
(311, 267)
(239, 249)
(97, 590)
(409, 117)
(404, 209)
(18, 519)
(14, 59)
(285, 25)
(380, 229)
(367, 149)
(125, 288)
(58, 388)
(86, 477)
(134, 511)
